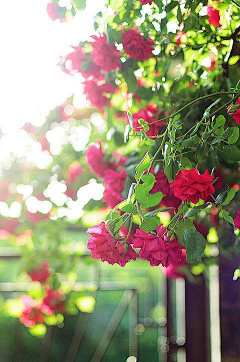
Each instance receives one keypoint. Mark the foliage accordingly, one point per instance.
(161, 133)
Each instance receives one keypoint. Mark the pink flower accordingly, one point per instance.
(144, 2)
(53, 302)
(40, 275)
(105, 55)
(56, 12)
(237, 220)
(235, 115)
(213, 16)
(136, 46)
(115, 182)
(75, 170)
(157, 249)
(173, 271)
(103, 246)
(95, 159)
(190, 185)
(96, 94)
(150, 114)
(32, 313)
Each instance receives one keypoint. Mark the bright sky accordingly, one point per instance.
(31, 82)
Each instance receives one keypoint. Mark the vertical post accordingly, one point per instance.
(229, 310)
(197, 326)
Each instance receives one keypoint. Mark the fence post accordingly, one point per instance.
(229, 310)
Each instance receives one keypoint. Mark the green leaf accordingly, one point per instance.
(195, 245)
(130, 79)
(113, 36)
(221, 197)
(228, 218)
(150, 224)
(227, 133)
(220, 121)
(80, 4)
(127, 207)
(155, 212)
(212, 157)
(39, 330)
(191, 142)
(171, 6)
(196, 209)
(234, 136)
(233, 60)
(181, 227)
(127, 133)
(142, 166)
(230, 154)
(130, 118)
(230, 196)
(171, 170)
(148, 179)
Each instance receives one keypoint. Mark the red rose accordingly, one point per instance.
(96, 93)
(40, 275)
(56, 12)
(136, 46)
(157, 249)
(150, 114)
(79, 62)
(96, 162)
(32, 312)
(174, 270)
(144, 2)
(115, 182)
(104, 54)
(236, 115)
(103, 246)
(53, 301)
(191, 186)
(237, 220)
(214, 17)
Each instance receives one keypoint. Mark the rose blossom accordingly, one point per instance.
(79, 62)
(41, 274)
(143, 2)
(53, 301)
(103, 246)
(236, 115)
(173, 271)
(190, 185)
(157, 249)
(95, 93)
(95, 159)
(149, 115)
(32, 312)
(237, 220)
(213, 16)
(136, 46)
(104, 54)
(115, 182)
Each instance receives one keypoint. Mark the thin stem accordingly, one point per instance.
(236, 3)
(193, 102)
